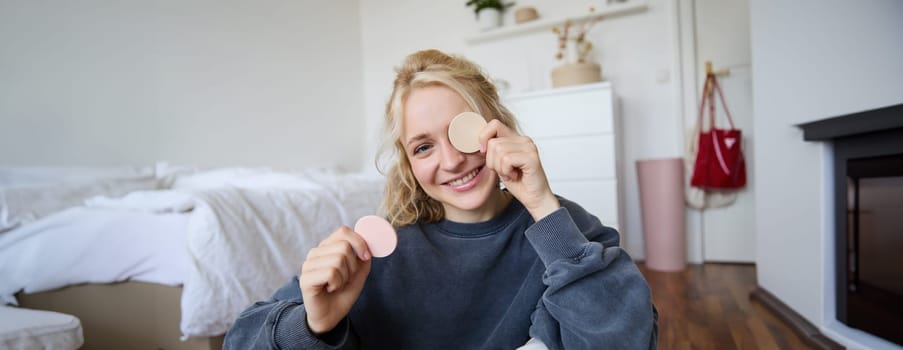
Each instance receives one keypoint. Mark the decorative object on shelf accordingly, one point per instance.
(525, 14)
(576, 74)
(489, 12)
(574, 49)
(611, 10)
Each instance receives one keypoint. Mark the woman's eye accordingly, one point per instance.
(421, 148)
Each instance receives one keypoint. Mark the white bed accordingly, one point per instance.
(228, 237)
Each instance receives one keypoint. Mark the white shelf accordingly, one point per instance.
(558, 90)
(617, 9)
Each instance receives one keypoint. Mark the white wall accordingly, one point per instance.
(278, 83)
(392, 29)
(200, 82)
(812, 60)
(636, 53)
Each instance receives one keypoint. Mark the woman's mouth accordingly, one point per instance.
(465, 182)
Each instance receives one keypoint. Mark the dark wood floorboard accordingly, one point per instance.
(707, 307)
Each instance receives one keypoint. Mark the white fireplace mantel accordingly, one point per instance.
(865, 125)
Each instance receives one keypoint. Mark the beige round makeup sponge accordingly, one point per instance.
(378, 233)
(464, 131)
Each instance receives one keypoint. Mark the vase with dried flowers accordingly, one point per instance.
(574, 49)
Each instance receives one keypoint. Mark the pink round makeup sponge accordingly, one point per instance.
(378, 233)
(464, 131)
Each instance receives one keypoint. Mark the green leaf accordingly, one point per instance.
(480, 5)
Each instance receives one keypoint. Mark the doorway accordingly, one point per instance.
(718, 31)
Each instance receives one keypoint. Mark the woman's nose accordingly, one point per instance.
(451, 157)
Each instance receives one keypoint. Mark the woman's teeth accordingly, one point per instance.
(464, 179)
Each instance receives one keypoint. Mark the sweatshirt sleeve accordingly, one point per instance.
(281, 323)
(596, 297)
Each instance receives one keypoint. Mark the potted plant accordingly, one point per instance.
(488, 12)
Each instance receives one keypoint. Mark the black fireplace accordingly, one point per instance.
(868, 211)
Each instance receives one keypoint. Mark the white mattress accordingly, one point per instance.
(82, 244)
(35, 329)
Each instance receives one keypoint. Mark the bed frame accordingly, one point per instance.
(128, 315)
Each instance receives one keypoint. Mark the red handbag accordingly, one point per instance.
(719, 161)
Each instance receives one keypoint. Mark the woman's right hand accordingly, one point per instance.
(332, 278)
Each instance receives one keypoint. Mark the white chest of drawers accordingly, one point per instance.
(575, 130)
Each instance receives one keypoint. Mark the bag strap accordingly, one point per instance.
(711, 86)
(708, 97)
(705, 94)
(723, 103)
(715, 143)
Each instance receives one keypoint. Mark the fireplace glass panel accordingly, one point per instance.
(875, 246)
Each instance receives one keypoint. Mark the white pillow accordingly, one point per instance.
(257, 178)
(21, 205)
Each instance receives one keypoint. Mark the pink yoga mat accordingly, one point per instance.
(664, 222)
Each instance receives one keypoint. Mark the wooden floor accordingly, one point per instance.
(708, 307)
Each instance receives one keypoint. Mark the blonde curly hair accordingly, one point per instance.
(405, 202)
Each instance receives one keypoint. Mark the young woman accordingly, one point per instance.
(476, 266)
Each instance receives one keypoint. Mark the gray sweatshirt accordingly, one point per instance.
(488, 285)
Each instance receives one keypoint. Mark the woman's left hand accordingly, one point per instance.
(515, 159)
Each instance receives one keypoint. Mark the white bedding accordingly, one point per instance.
(249, 243)
(22, 204)
(246, 235)
(81, 244)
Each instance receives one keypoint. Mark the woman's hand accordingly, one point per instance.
(516, 160)
(332, 278)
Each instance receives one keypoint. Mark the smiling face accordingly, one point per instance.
(467, 190)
